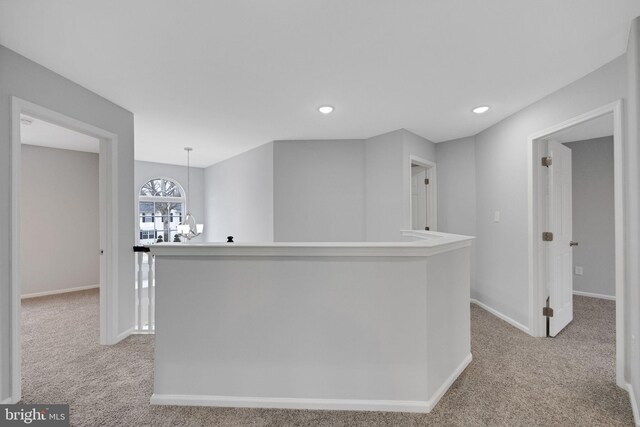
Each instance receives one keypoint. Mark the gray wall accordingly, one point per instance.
(593, 215)
(502, 280)
(388, 182)
(457, 191)
(144, 171)
(384, 213)
(319, 191)
(239, 197)
(60, 238)
(632, 211)
(27, 80)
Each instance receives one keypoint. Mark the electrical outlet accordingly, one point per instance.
(496, 216)
(578, 271)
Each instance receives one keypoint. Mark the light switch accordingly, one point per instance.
(496, 216)
(579, 271)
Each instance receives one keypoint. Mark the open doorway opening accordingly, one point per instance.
(71, 227)
(576, 229)
(59, 247)
(423, 208)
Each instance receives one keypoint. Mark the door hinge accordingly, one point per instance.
(547, 311)
(547, 236)
(547, 161)
(426, 181)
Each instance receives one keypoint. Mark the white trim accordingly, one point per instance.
(59, 291)
(435, 398)
(634, 405)
(592, 295)
(419, 248)
(7, 401)
(108, 227)
(537, 324)
(323, 404)
(125, 334)
(291, 403)
(501, 316)
(432, 197)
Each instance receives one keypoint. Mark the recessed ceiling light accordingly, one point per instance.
(480, 110)
(325, 109)
(25, 121)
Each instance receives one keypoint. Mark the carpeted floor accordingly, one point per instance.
(514, 380)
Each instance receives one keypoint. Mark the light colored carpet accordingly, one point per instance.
(514, 380)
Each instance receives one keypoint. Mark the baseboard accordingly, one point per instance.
(7, 401)
(496, 313)
(592, 295)
(431, 403)
(124, 334)
(291, 403)
(59, 291)
(634, 405)
(318, 404)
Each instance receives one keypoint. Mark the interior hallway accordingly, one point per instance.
(514, 380)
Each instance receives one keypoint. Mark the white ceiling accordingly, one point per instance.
(226, 76)
(596, 128)
(46, 134)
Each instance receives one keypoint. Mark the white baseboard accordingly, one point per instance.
(592, 295)
(634, 405)
(324, 404)
(59, 291)
(124, 334)
(496, 313)
(7, 401)
(431, 403)
(291, 403)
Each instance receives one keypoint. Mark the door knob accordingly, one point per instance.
(572, 243)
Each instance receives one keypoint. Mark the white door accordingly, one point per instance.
(418, 198)
(560, 255)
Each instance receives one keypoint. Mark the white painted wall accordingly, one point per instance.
(593, 215)
(388, 181)
(59, 220)
(319, 191)
(144, 171)
(413, 145)
(632, 215)
(457, 191)
(239, 197)
(27, 80)
(501, 280)
(384, 213)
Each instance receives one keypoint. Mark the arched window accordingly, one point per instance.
(160, 210)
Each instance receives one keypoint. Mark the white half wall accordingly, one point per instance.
(27, 80)
(593, 215)
(239, 197)
(145, 171)
(59, 227)
(319, 191)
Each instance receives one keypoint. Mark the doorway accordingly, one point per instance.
(107, 147)
(422, 209)
(551, 236)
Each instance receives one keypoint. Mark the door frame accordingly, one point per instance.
(432, 194)
(537, 209)
(108, 179)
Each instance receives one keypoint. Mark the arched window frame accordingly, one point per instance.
(149, 235)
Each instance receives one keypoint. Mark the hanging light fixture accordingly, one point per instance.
(189, 228)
